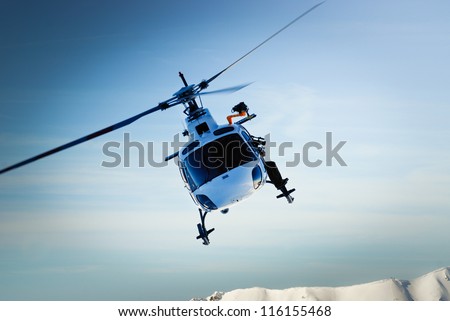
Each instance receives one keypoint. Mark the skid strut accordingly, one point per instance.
(277, 180)
(202, 230)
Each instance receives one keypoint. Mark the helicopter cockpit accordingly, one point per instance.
(215, 158)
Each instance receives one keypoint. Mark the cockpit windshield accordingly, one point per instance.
(216, 158)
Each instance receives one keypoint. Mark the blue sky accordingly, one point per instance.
(375, 74)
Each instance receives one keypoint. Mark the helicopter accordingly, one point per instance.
(221, 164)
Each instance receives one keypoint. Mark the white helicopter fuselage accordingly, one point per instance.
(219, 165)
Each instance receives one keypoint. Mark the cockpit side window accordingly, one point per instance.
(249, 140)
(246, 136)
(186, 177)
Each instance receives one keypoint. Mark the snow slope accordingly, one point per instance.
(430, 287)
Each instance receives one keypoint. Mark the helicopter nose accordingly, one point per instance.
(230, 188)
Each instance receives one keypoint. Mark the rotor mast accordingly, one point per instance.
(192, 104)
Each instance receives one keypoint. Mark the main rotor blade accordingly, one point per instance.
(166, 104)
(261, 44)
(228, 90)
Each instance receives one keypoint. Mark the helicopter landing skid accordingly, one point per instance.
(203, 232)
(278, 181)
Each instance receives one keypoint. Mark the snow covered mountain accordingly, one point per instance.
(433, 286)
